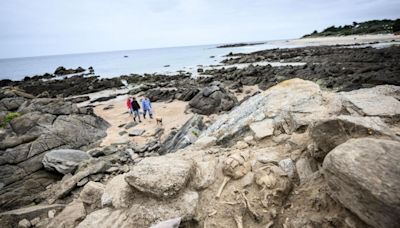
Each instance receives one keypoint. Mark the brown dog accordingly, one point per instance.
(159, 121)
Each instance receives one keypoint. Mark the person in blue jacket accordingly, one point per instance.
(146, 105)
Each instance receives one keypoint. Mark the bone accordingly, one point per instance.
(221, 188)
(269, 224)
(256, 216)
(239, 221)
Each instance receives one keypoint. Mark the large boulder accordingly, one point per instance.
(185, 136)
(145, 212)
(377, 101)
(291, 105)
(363, 174)
(64, 160)
(118, 193)
(213, 99)
(331, 132)
(70, 216)
(162, 177)
(92, 193)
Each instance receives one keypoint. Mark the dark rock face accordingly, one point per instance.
(70, 86)
(44, 124)
(363, 175)
(63, 71)
(329, 133)
(335, 67)
(213, 99)
(185, 136)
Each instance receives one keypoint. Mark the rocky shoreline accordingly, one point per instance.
(316, 145)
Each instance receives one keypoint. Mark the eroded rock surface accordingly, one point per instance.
(148, 176)
(363, 174)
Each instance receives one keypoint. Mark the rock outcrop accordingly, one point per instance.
(186, 135)
(212, 99)
(43, 125)
(288, 106)
(64, 161)
(363, 175)
(329, 133)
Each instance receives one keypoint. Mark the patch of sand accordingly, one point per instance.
(172, 114)
(344, 40)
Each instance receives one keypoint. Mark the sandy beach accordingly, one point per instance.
(173, 116)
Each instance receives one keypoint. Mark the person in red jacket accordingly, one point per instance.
(129, 105)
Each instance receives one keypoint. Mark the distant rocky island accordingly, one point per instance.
(361, 28)
(239, 45)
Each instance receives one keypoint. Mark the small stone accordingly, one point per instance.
(241, 145)
(130, 125)
(35, 221)
(112, 170)
(137, 132)
(249, 140)
(247, 180)
(121, 133)
(24, 223)
(82, 182)
(206, 141)
(287, 166)
(263, 128)
(51, 214)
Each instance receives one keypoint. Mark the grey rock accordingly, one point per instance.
(291, 104)
(118, 193)
(66, 186)
(304, 169)
(186, 135)
(24, 223)
(92, 193)
(170, 223)
(288, 166)
(369, 102)
(82, 182)
(130, 125)
(65, 160)
(212, 99)
(11, 218)
(363, 175)
(148, 176)
(204, 175)
(331, 132)
(262, 128)
(145, 213)
(136, 132)
(72, 214)
(50, 106)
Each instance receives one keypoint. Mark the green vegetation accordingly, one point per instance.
(367, 27)
(7, 119)
(396, 26)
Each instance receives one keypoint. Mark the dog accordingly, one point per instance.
(159, 121)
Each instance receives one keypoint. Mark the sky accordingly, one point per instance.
(49, 27)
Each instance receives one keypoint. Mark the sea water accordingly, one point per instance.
(116, 63)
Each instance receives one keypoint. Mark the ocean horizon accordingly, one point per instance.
(107, 64)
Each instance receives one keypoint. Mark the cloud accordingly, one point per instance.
(44, 27)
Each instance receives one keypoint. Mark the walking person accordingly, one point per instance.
(129, 105)
(136, 110)
(146, 105)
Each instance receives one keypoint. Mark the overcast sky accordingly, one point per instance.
(47, 27)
